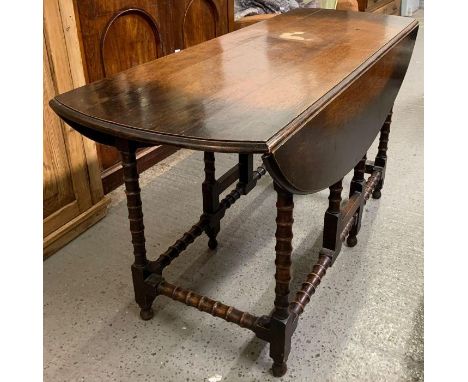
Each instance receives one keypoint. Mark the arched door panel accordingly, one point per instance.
(201, 22)
(130, 38)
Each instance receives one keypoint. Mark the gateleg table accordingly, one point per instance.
(308, 90)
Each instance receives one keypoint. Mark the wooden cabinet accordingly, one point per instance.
(196, 21)
(118, 34)
(72, 190)
(388, 7)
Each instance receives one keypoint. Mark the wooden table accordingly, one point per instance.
(308, 90)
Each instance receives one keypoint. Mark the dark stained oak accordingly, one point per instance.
(243, 92)
(309, 90)
(337, 137)
(283, 248)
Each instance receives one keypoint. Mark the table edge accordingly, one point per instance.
(297, 123)
(152, 138)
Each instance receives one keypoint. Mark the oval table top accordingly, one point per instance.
(246, 91)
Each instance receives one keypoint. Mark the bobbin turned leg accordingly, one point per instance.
(280, 325)
(137, 229)
(381, 158)
(357, 185)
(211, 199)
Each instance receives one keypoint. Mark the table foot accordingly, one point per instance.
(376, 194)
(212, 243)
(281, 332)
(212, 233)
(279, 369)
(351, 241)
(146, 314)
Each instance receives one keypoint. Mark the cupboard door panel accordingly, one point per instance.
(72, 191)
(117, 35)
(61, 72)
(201, 22)
(131, 38)
(196, 21)
(57, 185)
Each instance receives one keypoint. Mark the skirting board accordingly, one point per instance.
(62, 236)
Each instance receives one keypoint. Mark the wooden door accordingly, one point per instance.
(72, 190)
(58, 186)
(117, 35)
(196, 21)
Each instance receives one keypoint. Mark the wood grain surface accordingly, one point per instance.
(335, 139)
(247, 91)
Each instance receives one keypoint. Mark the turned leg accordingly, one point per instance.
(381, 158)
(211, 199)
(357, 185)
(137, 229)
(280, 344)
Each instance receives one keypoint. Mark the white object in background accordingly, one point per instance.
(408, 7)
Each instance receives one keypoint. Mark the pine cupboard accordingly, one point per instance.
(73, 197)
